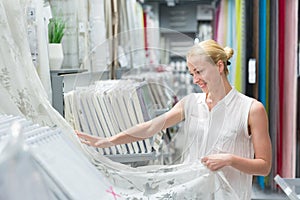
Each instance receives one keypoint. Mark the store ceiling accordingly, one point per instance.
(180, 2)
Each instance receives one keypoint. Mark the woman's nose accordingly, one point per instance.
(196, 79)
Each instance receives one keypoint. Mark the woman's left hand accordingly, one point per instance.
(217, 161)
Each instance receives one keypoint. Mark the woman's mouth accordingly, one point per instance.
(202, 85)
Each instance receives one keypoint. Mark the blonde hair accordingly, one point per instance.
(213, 50)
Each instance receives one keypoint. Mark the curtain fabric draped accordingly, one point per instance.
(24, 95)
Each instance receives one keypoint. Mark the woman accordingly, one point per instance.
(226, 130)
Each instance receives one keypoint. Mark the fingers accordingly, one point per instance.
(83, 135)
(204, 159)
(79, 133)
(210, 164)
(85, 142)
(91, 140)
(84, 138)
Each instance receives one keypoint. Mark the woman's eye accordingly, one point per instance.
(201, 71)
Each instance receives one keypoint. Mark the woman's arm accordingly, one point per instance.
(261, 164)
(138, 132)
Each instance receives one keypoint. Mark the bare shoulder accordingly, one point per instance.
(257, 113)
(257, 108)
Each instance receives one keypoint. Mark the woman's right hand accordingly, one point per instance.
(93, 140)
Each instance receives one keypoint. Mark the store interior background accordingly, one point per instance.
(111, 39)
(153, 35)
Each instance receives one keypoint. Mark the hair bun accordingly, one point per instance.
(229, 52)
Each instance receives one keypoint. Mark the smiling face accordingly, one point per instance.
(206, 74)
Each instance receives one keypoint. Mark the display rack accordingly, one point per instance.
(290, 186)
(57, 85)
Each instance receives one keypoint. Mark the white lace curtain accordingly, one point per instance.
(21, 93)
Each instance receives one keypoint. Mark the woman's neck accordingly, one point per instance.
(213, 97)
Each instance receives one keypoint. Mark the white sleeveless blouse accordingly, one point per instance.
(224, 129)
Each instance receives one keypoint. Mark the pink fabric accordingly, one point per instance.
(217, 15)
(290, 90)
(281, 32)
(222, 25)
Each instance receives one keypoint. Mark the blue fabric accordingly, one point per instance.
(262, 51)
(262, 62)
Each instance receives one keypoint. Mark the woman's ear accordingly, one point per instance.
(220, 65)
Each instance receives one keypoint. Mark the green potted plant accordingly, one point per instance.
(56, 31)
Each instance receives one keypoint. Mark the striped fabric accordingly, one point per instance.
(272, 41)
